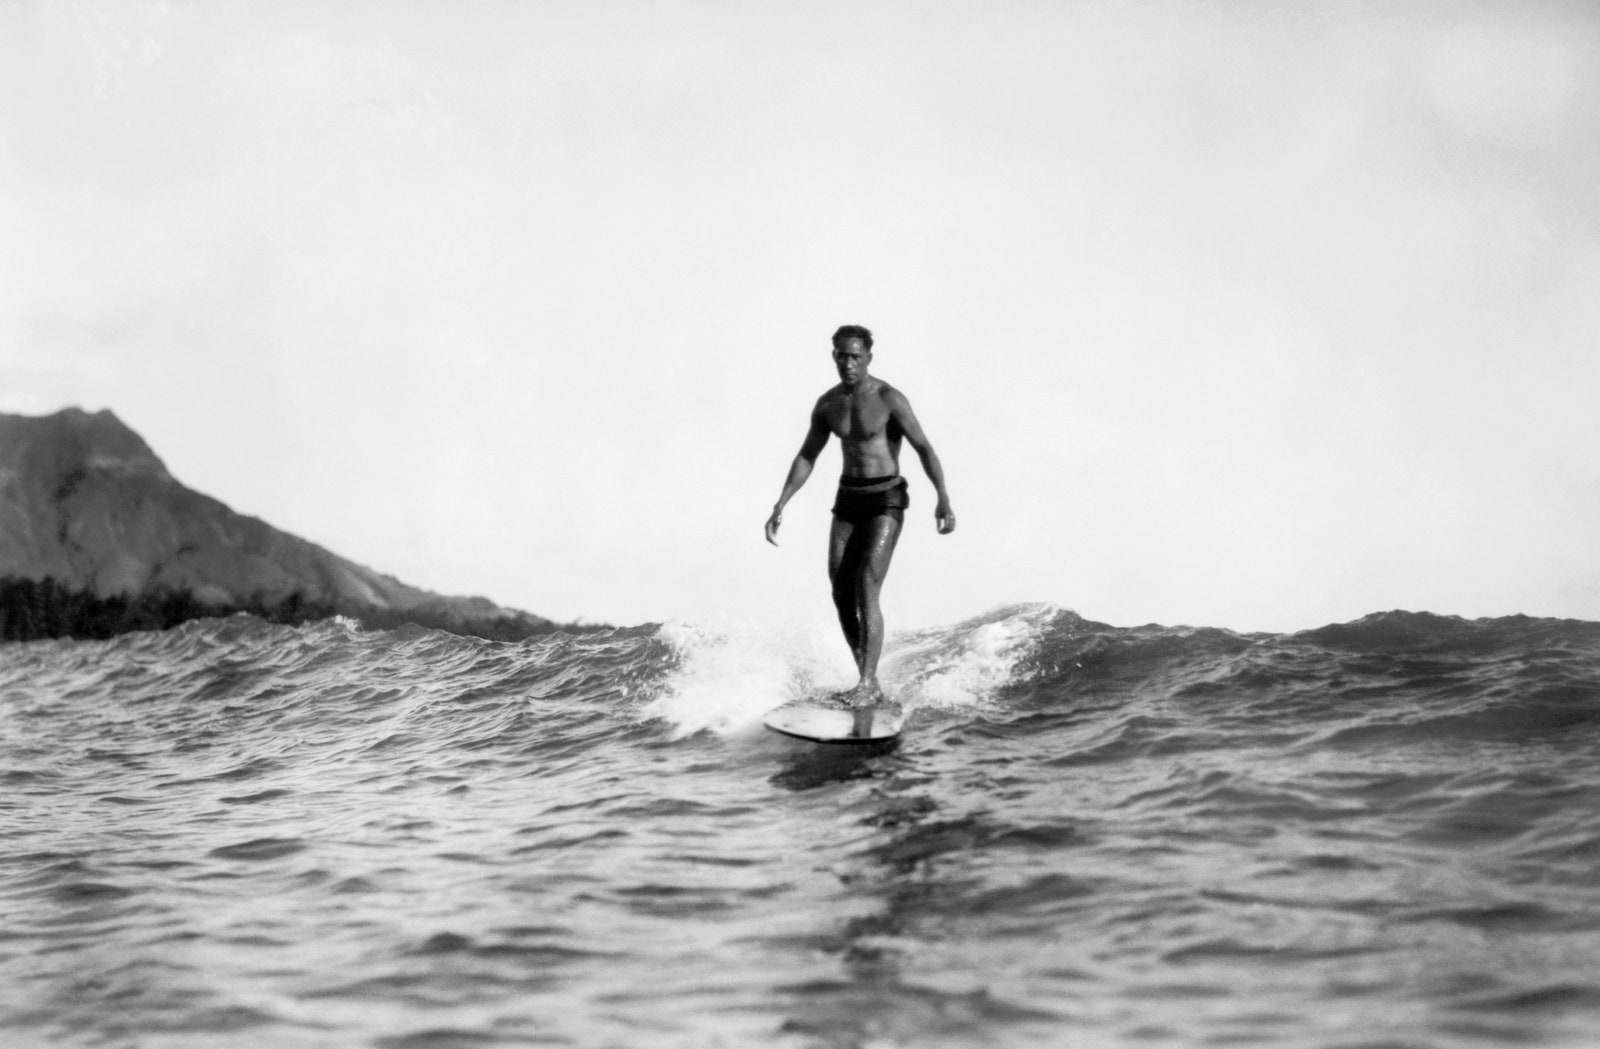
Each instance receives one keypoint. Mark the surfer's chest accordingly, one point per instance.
(859, 420)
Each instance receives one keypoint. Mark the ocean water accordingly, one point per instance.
(1378, 834)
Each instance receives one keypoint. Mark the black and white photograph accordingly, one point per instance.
(812, 524)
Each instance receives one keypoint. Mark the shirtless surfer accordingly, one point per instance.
(870, 418)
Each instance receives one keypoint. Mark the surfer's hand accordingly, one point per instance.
(944, 517)
(772, 526)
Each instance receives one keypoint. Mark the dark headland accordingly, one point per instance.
(97, 538)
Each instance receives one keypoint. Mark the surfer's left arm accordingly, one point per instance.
(906, 419)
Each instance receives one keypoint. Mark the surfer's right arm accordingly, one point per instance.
(800, 469)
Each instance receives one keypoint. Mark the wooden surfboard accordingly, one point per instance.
(819, 724)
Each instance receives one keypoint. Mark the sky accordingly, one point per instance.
(1245, 314)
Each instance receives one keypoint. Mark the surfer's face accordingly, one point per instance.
(851, 357)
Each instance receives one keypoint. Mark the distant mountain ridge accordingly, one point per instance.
(86, 503)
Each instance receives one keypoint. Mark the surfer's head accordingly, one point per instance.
(852, 352)
(853, 331)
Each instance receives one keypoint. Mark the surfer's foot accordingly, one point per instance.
(866, 694)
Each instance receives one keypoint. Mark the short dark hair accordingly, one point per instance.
(853, 331)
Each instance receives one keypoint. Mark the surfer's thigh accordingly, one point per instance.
(882, 534)
(839, 550)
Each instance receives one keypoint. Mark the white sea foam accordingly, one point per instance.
(965, 665)
(730, 673)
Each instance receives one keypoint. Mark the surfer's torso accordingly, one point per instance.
(862, 416)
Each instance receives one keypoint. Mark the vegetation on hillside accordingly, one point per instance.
(32, 609)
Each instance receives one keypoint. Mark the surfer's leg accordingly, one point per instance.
(843, 557)
(881, 535)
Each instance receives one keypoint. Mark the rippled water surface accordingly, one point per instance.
(1384, 833)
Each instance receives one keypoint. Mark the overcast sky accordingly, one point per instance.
(1255, 315)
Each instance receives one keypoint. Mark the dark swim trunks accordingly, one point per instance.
(863, 498)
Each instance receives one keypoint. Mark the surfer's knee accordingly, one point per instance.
(873, 572)
(868, 584)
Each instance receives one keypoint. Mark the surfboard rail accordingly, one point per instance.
(816, 723)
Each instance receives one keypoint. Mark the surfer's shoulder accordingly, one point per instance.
(892, 396)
